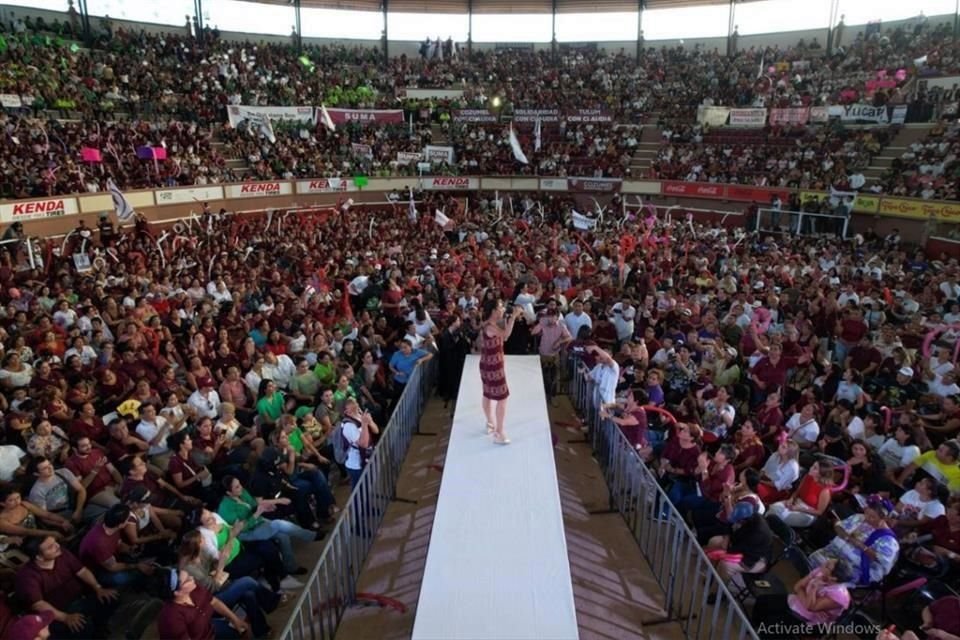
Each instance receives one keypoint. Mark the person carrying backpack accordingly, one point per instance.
(352, 437)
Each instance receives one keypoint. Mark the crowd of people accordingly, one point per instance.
(928, 168)
(185, 419)
(179, 81)
(816, 159)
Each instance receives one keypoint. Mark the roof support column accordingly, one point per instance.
(641, 5)
(386, 47)
(297, 26)
(553, 27)
(469, 27)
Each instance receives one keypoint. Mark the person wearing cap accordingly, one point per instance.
(205, 400)
(902, 394)
(33, 626)
(191, 612)
(54, 581)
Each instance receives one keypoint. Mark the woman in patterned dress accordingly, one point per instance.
(492, 373)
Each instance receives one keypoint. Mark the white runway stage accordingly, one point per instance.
(497, 566)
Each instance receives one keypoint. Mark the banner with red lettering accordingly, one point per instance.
(37, 209)
(326, 185)
(715, 191)
(748, 117)
(259, 189)
(819, 114)
(449, 183)
(594, 185)
(793, 115)
(366, 116)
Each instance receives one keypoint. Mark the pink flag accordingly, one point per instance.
(159, 153)
(88, 154)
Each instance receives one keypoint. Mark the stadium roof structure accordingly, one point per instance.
(499, 6)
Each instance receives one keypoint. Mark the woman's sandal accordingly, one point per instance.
(500, 439)
(490, 428)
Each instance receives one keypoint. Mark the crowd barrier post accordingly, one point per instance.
(679, 564)
(332, 584)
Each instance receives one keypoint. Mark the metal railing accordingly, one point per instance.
(801, 223)
(332, 585)
(679, 564)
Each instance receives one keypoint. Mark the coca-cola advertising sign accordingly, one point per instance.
(594, 185)
(692, 189)
(38, 209)
(449, 183)
(366, 116)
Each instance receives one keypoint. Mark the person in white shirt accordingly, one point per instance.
(899, 450)
(945, 386)
(12, 460)
(622, 319)
(847, 296)
(919, 504)
(205, 400)
(525, 300)
(950, 288)
(802, 427)
(64, 316)
(577, 318)
(279, 368)
(605, 375)
(82, 350)
(782, 468)
(154, 429)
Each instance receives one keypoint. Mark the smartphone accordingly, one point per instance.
(279, 493)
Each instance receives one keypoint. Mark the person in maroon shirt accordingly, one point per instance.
(712, 478)
(864, 357)
(850, 329)
(751, 452)
(88, 424)
(123, 444)
(101, 546)
(94, 471)
(189, 612)
(54, 580)
(769, 417)
(770, 372)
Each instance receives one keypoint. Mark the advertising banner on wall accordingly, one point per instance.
(795, 115)
(449, 183)
(406, 157)
(594, 185)
(37, 209)
(259, 189)
(192, 194)
(920, 209)
(589, 115)
(532, 115)
(326, 185)
(886, 114)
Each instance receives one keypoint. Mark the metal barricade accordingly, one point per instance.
(679, 564)
(332, 585)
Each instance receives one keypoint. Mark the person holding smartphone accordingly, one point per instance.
(493, 376)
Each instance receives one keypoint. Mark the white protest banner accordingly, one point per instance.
(237, 113)
(362, 150)
(793, 115)
(406, 157)
(259, 189)
(437, 154)
(748, 117)
(713, 116)
(10, 101)
(38, 209)
(582, 222)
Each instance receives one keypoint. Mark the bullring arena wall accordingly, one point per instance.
(923, 222)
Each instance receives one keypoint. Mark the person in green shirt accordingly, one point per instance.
(239, 506)
(270, 405)
(343, 392)
(304, 385)
(325, 371)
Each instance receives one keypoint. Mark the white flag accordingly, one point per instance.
(412, 208)
(265, 126)
(120, 205)
(326, 119)
(515, 146)
(441, 219)
(760, 70)
(536, 135)
(583, 222)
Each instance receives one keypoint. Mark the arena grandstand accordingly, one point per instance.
(251, 248)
